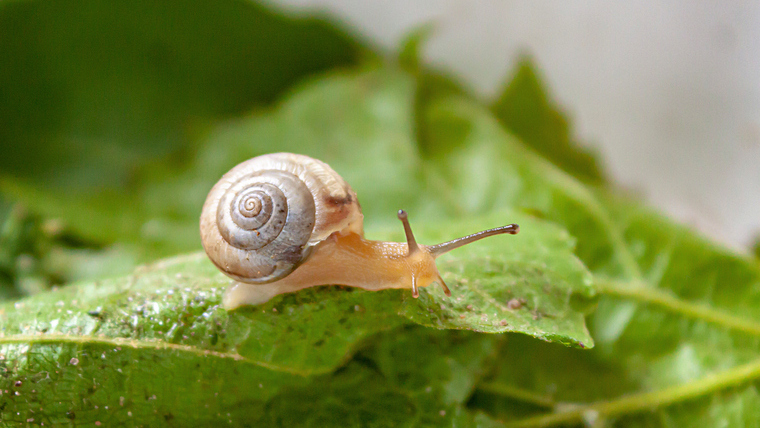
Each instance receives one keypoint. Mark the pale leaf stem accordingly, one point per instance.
(654, 296)
(646, 401)
(517, 394)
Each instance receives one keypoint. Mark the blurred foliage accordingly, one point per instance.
(94, 90)
(102, 100)
(117, 119)
(525, 108)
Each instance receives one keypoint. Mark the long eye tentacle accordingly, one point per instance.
(437, 250)
(410, 241)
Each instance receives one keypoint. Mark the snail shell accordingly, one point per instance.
(265, 216)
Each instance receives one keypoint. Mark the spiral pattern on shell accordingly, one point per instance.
(254, 211)
(262, 219)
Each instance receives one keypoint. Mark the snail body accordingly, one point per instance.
(283, 222)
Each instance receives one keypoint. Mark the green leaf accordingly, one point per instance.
(324, 120)
(437, 369)
(36, 254)
(525, 108)
(533, 378)
(357, 395)
(161, 301)
(678, 320)
(104, 104)
(756, 248)
(526, 283)
(178, 302)
(126, 337)
(7, 255)
(430, 83)
(171, 311)
(408, 377)
(433, 365)
(24, 240)
(94, 90)
(121, 383)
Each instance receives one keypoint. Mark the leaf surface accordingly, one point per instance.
(677, 325)
(92, 92)
(140, 326)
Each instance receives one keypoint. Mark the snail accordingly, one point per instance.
(283, 222)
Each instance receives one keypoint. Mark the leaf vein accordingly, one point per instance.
(646, 401)
(667, 301)
(146, 344)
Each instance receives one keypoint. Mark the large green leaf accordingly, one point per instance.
(527, 284)
(678, 323)
(325, 120)
(164, 302)
(103, 101)
(92, 90)
(165, 321)
(437, 369)
(411, 377)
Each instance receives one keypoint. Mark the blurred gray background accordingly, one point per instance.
(668, 93)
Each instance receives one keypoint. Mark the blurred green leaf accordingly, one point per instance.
(92, 91)
(24, 241)
(430, 83)
(36, 254)
(324, 120)
(678, 321)
(525, 108)
(437, 366)
(411, 377)
(104, 101)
